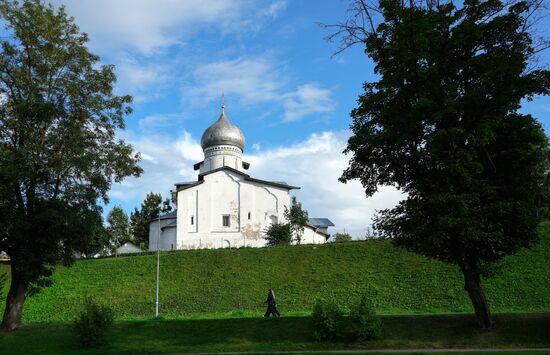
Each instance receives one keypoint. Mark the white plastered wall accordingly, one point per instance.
(251, 207)
(311, 236)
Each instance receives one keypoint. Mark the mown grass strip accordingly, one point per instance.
(283, 334)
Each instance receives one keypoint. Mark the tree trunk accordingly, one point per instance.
(14, 303)
(472, 285)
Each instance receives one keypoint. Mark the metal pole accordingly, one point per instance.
(158, 270)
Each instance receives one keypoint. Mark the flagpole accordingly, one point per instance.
(158, 270)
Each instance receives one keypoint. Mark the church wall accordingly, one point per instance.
(225, 193)
(265, 204)
(224, 201)
(191, 206)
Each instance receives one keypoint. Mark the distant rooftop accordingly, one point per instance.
(321, 222)
(169, 215)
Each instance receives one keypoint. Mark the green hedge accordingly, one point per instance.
(209, 283)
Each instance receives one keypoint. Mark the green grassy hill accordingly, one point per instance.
(216, 283)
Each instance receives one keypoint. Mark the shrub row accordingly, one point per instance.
(329, 321)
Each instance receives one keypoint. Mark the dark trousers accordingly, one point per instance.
(272, 309)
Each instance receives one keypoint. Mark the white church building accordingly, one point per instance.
(226, 207)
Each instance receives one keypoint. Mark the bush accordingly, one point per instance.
(278, 234)
(342, 237)
(327, 320)
(366, 324)
(92, 323)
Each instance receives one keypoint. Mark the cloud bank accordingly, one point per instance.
(147, 26)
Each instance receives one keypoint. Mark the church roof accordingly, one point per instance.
(247, 177)
(183, 186)
(197, 166)
(223, 132)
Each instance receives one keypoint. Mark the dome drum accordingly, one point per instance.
(223, 149)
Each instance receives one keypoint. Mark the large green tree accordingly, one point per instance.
(442, 123)
(118, 228)
(96, 239)
(58, 149)
(151, 207)
(86, 235)
(297, 219)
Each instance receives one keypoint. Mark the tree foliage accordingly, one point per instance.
(297, 219)
(3, 279)
(58, 151)
(370, 233)
(443, 125)
(150, 209)
(278, 234)
(118, 229)
(95, 239)
(342, 237)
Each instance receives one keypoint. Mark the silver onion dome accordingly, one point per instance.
(223, 132)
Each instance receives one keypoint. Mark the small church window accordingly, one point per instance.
(225, 220)
(192, 220)
(248, 215)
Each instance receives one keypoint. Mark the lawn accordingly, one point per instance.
(283, 334)
(232, 283)
(211, 300)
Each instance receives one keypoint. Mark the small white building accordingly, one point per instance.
(225, 207)
(4, 256)
(128, 248)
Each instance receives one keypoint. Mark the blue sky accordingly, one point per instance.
(282, 87)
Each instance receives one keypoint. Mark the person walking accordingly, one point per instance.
(271, 305)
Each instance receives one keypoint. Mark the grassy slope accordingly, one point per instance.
(283, 334)
(234, 282)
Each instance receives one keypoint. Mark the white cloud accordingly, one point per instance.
(257, 80)
(159, 121)
(306, 100)
(314, 164)
(144, 81)
(164, 162)
(136, 36)
(141, 37)
(273, 10)
(147, 25)
(253, 80)
(189, 148)
(256, 147)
